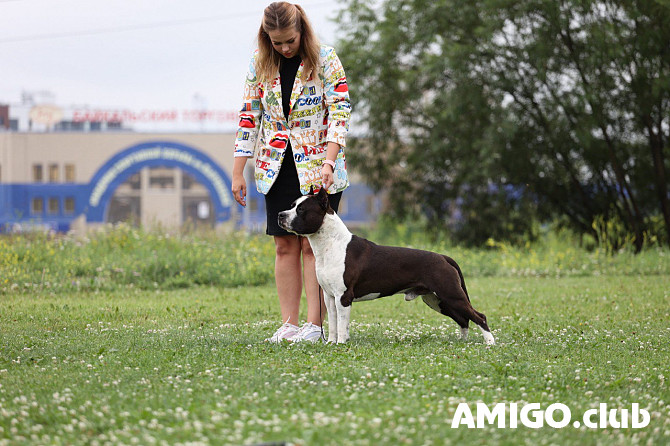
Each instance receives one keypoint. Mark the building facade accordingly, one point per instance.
(64, 180)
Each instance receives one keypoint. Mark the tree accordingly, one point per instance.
(511, 111)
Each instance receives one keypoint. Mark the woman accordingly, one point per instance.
(296, 110)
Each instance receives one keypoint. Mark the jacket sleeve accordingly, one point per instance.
(337, 98)
(250, 114)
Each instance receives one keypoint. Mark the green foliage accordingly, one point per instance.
(514, 112)
(126, 256)
(612, 236)
(554, 253)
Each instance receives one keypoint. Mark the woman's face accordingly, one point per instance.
(285, 41)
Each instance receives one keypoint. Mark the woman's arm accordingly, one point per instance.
(247, 131)
(339, 112)
(250, 113)
(239, 183)
(337, 99)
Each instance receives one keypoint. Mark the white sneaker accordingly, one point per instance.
(308, 333)
(284, 333)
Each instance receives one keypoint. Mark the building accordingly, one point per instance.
(59, 173)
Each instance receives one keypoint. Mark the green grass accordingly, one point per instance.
(126, 365)
(125, 258)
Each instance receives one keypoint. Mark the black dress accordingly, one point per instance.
(286, 188)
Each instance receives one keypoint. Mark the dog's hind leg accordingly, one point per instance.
(467, 312)
(460, 310)
(488, 337)
(479, 319)
(434, 302)
(455, 304)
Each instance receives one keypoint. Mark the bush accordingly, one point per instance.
(125, 256)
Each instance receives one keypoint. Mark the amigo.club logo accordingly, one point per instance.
(556, 415)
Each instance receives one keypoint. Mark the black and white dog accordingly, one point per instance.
(352, 269)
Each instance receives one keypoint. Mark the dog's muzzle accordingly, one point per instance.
(282, 220)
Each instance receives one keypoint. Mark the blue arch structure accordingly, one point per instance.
(92, 199)
(17, 200)
(158, 154)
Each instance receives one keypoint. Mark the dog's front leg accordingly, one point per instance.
(332, 317)
(343, 316)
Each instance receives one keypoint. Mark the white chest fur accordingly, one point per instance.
(330, 249)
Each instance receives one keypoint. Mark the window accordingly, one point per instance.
(187, 181)
(190, 183)
(135, 181)
(69, 173)
(37, 173)
(69, 126)
(53, 206)
(161, 178)
(54, 174)
(69, 205)
(125, 209)
(37, 206)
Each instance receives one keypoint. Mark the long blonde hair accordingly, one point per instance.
(283, 15)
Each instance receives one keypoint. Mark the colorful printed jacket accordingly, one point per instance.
(320, 111)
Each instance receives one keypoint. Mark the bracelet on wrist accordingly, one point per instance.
(330, 163)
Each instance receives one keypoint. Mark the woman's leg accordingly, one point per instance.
(316, 309)
(288, 277)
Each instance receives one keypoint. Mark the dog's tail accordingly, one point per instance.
(453, 263)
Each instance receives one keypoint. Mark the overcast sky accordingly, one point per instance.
(135, 54)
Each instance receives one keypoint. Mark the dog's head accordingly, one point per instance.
(306, 214)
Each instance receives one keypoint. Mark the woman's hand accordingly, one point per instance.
(327, 179)
(240, 189)
(327, 170)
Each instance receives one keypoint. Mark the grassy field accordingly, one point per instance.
(113, 362)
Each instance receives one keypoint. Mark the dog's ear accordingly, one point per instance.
(323, 198)
(311, 189)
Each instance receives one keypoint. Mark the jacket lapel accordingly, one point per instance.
(275, 102)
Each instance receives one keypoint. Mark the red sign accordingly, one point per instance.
(154, 116)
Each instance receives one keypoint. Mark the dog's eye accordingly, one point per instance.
(299, 210)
